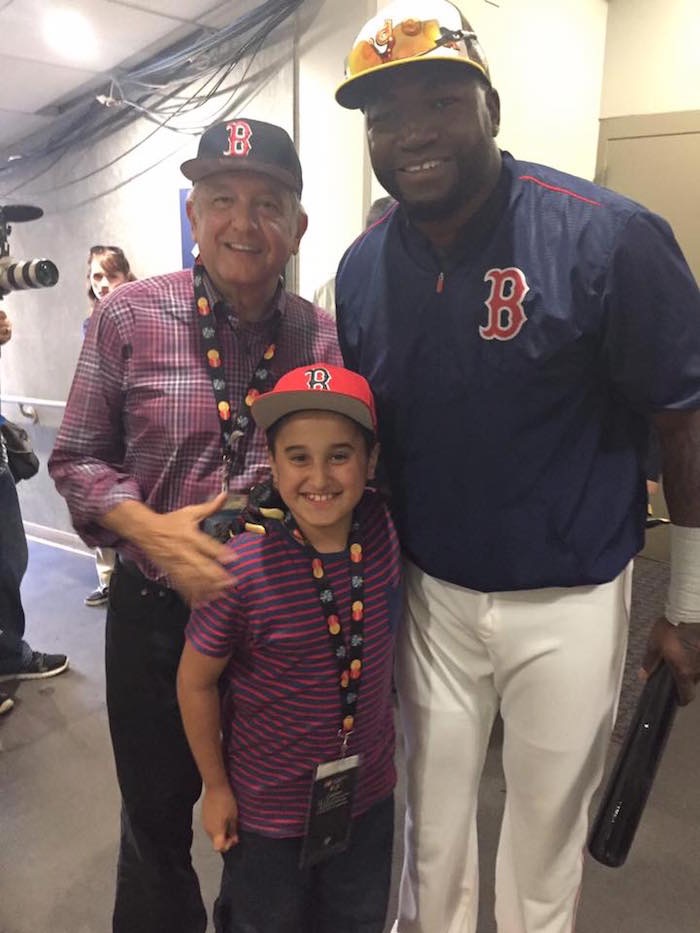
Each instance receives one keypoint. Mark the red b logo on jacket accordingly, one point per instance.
(505, 304)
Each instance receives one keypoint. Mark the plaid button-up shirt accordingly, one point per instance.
(141, 420)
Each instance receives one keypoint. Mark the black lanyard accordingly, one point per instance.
(233, 429)
(348, 656)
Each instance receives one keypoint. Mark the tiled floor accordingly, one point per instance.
(59, 805)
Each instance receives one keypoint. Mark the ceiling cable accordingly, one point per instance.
(153, 91)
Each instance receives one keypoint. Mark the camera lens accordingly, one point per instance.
(45, 273)
(34, 273)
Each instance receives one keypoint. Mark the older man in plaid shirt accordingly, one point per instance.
(156, 426)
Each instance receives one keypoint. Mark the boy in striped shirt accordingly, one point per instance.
(285, 681)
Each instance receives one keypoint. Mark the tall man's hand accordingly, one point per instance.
(679, 647)
(174, 542)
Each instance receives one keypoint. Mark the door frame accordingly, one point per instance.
(646, 124)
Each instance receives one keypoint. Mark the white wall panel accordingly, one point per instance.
(652, 57)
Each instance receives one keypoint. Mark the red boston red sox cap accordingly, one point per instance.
(318, 387)
(246, 146)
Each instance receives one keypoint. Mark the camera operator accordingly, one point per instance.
(17, 659)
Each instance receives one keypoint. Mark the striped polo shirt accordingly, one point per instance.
(281, 702)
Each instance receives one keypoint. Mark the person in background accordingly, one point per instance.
(18, 661)
(6, 703)
(107, 268)
(519, 328)
(653, 468)
(157, 423)
(324, 296)
(331, 536)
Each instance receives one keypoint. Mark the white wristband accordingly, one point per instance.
(683, 602)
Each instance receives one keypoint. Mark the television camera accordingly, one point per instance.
(30, 273)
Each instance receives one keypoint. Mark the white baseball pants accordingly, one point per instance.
(552, 661)
(105, 558)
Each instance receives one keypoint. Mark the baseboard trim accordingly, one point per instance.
(67, 540)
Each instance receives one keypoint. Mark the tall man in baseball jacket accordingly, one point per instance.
(518, 327)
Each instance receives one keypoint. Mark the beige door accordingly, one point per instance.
(655, 159)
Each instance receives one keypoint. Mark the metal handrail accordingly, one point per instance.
(28, 405)
(26, 400)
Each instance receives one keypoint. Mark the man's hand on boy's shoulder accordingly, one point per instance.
(192, 560)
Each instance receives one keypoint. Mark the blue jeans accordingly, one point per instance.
(263, 890)
(14, 651)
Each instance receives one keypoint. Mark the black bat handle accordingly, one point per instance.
(626, 792)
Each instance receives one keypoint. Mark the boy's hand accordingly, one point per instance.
(220, 817)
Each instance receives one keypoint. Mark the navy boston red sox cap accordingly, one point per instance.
(246, 146)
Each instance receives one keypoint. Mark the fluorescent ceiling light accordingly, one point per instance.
(70, 33)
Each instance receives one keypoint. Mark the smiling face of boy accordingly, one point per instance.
(320, 464)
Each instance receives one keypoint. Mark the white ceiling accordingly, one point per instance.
(35, 79)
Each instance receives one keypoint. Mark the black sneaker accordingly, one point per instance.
(98, 597)
(41, 665)
(6, 703)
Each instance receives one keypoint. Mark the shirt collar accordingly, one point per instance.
(278, 305)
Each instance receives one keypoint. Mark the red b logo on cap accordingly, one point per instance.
(239, 133)
(318, 378)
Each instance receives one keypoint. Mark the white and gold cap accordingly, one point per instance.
(408, 31)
